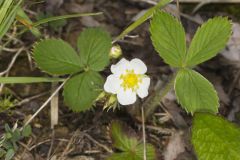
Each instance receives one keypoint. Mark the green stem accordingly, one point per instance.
(151, 104)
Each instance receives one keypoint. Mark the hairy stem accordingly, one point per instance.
(151, 104)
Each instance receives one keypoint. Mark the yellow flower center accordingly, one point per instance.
(130, 80)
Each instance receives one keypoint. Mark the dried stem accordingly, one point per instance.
(178, 10)
(6, 72)
(45, 103)
(54, 107)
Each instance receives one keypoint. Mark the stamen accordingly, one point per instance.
(130, 80)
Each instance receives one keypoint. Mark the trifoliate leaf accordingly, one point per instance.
(82, 90)
(215, 138)
(94, 45)
(121, 140)
(56, 57)
(209, 39)
(135, 154)
(195, 93)
(168, 37)
(131, 147)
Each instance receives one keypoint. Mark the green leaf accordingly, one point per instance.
(121, 156)
(82, 90)
(195, 93)
(2, 152)
(7, 144)
(16, 135)
(27, 131)
(8, 135)
(215, 138)
(209, 39)
(121, 140)
(9, 155)
(9, 80)
(56, 18)
(150, 151)
(130, 145)
(94, 45)
(7, 128)
(135, 154)
(56, 57)
(168, 37)
(143, 18)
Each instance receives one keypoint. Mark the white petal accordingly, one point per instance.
(112, 84)
(120, 67)
(143, 87)
(126, 97)
(138, 66)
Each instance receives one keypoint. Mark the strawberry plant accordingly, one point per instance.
(213, 137)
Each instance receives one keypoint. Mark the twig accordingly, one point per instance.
(9, 49)
(178, 10)
(30, 60)
(26, 100)
(12, 62)
(144, 135)
(92, 152)
(159, 129)
(6, 72)
(45, 103)
(51, 146)
(13, 37)
(97, 143)
(68, 145)
(48, 140)
(200, 5)
(25, 146)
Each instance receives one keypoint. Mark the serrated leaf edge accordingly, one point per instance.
(32, 54)
(192, 112)
(199, 29)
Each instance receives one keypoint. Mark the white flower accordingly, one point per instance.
(128, 80)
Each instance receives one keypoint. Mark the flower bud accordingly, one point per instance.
(115, 52)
